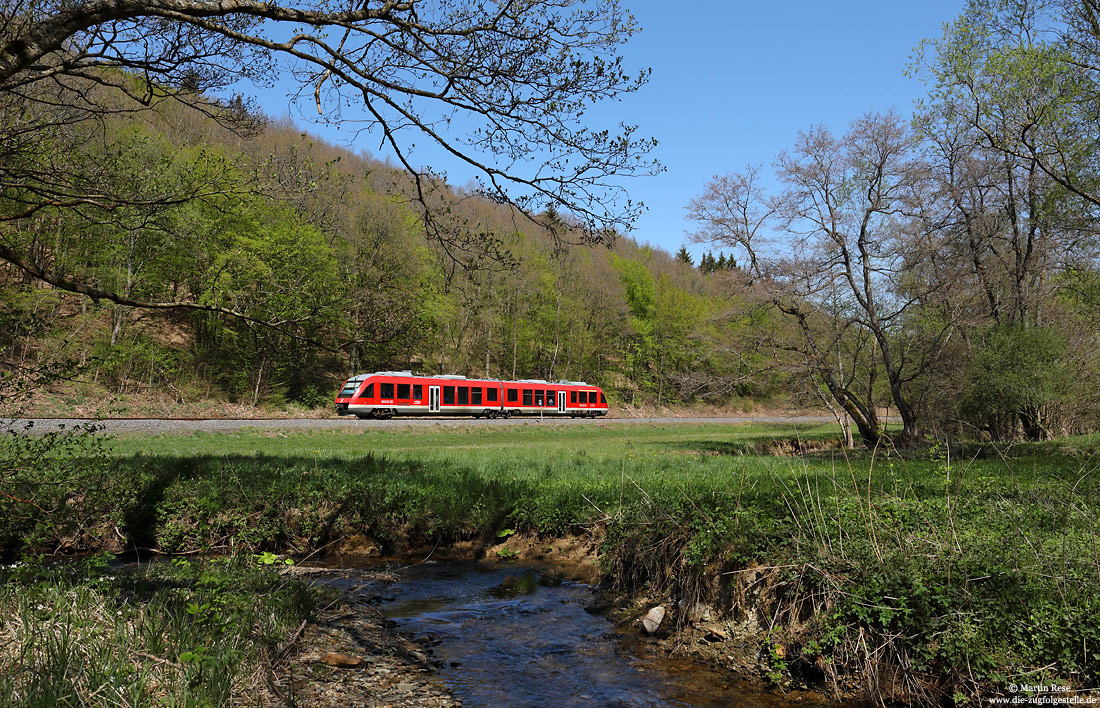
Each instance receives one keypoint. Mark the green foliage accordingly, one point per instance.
(1015, 374)
(44, 482)
(641, 292)
(709, 264)
(683, 256)
(269, 558)
(671, 340)
(136, 360)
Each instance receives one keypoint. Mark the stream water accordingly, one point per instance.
(540, 646)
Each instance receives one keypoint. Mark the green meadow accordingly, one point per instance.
(936, 576)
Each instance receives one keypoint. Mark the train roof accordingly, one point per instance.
(459, 377)
(411, 375)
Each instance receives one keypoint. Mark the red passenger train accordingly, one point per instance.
(385, 394)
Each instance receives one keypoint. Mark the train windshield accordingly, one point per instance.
(348, 389)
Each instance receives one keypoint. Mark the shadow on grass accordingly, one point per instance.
(828, 444)
(177, 503)
(762, 445)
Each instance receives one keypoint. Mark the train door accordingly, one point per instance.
(433, 399)
(561, 401)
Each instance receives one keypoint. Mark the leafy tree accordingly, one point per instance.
(641, 296)
(679, 343)
(1013, 379)
(1009, 127)
(385, 284)
(500, 87)
(854, 218)
(1026, 77)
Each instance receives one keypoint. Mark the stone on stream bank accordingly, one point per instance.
(652, 621)
(513, 585)
(343, 661)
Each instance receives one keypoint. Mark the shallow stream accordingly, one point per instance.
(539, 646)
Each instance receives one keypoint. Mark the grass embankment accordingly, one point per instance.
(926, 579)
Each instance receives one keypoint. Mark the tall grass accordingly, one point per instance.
(176, 634)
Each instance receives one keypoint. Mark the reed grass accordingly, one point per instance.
(180, 633)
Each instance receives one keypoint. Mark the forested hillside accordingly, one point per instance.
(314, 267)
(161, 247)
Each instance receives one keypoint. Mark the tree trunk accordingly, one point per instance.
(259, 379)
(117, 316)
(842, 418)
(1035, 425)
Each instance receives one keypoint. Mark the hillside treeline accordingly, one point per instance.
(940, 270)
(314, 267)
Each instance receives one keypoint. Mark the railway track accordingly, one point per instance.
(212, 425)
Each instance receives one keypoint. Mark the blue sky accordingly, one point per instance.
(733, 82)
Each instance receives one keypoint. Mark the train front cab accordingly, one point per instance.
(346, 395)
(385, 395)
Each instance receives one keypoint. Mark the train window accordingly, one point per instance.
(448, 395)
(584, 396)
(403, 391)
(550, 400)
(572, 396)
(348, 389)
(538, 397)
(463, 395)
(475, 396)
(526, 396)
(418, 391)
(386, 391)
(491, 394)
(368, 392)
(602, 399)
(513, 395)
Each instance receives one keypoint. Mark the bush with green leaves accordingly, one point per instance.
(1015, 380)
